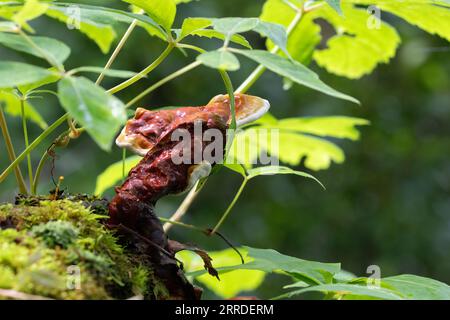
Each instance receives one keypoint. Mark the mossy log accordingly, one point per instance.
(61, 249)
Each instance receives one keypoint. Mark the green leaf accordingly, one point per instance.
(346, 289)
(55, 49)
(183, 1)
(418, 288)
(163, 12)
(336, 127)
(303, 39)
(356, 49)
(230, 26)
(294, 141)
(236, 168)
(209, 33)
(292, 70)
(52, 78)
(31, 9)
(275, 170)
(231, 283)
(13, 108)
(429, 15)
(275, 32)
(336, 5)
(191, 25)
(14, 74)
(269, 260)
(108, 72)
(220, 59)
(102, 35)
(104, 16)
(113, 174)
(99, 112)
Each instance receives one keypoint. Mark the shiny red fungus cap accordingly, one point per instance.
(148, 128)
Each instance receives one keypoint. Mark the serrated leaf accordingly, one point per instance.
(113, 174)
(104, 16)
(220, 59)
(361, 43)
(275, 170)
(13, 108)
(163, 12)
(191, 25)
(336, 127)
(303, 39)
(294, 71)
(429, 15)
(13, 74)
(100, 113)
(56, 50)
(291, 141)
(102, 35)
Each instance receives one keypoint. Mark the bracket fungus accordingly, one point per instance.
(149, 134)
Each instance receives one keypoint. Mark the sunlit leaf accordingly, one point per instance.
(361, 43)
(112, 175)
(31, 9)
(100, 113)
(163, 12)
(418, 288)
(429, 15)
(103, 35)
(230, 26)
(105, 16)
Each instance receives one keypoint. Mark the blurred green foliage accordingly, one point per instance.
(387, 205)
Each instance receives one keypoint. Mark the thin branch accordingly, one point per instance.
(11, 153)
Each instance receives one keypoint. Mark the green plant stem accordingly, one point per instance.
(39, 168)
(11, 153)
(25, 135)
(117, 50)
(44, 54)
(181, 224)
(230, 207)
(144, 72)
(33, 145)
(259, 71)
(174, 75)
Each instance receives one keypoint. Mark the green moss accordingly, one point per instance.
(60, 249)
